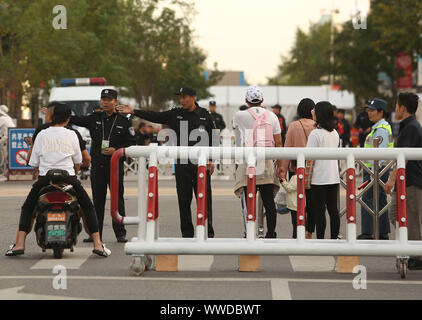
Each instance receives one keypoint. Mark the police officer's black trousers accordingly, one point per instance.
(186, 181)
(83, 200)
(100, 179)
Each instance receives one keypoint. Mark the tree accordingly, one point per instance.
(162, 56)
(357, 64)
(132, 43)
(308, 62)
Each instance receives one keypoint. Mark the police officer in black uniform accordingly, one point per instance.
(183, 121)
(218, 118)
(109, 131)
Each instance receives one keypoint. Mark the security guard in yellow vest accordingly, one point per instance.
(377, 112)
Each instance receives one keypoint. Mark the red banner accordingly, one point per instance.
(404, 62)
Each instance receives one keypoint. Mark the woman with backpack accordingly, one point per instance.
(259, 128)
(325, 178)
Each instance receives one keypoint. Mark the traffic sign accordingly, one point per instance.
(18, 148)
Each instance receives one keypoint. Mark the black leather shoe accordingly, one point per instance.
(365, 236)
(414, 264)
(121, 239)
(88, 240)
(384, 236)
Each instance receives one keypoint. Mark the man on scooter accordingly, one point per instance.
(57, 148)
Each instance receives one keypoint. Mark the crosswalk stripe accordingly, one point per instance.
(71, 260)
(312, 263)
(195, 263)
(280, 290)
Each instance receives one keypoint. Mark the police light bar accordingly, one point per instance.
(83, 82)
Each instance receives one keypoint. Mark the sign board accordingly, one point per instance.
(404, 62)
(18, 148)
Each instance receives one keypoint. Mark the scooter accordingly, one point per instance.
(57, 221)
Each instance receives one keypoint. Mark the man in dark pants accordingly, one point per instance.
(187, 121)
(109, 131)
(218, 118)
(410, 136)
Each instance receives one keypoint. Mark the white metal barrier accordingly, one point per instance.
(149, 242)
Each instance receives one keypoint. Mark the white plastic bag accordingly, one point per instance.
(280, 202)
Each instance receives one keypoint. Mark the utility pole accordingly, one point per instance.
(333, 12)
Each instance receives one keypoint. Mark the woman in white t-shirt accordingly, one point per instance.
(325, 177)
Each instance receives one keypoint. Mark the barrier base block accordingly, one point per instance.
(249, 263)
(345, 264)
(166, 262)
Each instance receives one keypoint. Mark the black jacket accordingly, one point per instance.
(184, 123)
(121, 136)
(218, 120)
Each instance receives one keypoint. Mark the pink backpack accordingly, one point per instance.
(262, 129)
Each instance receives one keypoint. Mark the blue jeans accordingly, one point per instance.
(367, 197)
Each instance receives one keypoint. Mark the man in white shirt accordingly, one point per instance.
(265, 182)
(57, 148)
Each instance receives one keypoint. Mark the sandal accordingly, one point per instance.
(11, 253)
(105, 253)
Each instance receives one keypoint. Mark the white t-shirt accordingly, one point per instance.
(325, 171)
(244, 121)
(56, 148)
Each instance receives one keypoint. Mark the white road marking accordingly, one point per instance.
(70, 260)
(195, 263)
(14, 294)
(280, 290)
(312, 263)
(143, 278)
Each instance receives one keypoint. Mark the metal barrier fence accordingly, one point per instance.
(148, 241)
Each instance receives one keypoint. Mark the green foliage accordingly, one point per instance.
(309, 59)
(359, 54)
(138, 44)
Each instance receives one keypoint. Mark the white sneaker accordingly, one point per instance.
(106, 250)
(105, 253)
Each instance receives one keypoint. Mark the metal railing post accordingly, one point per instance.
(142, 199)
(375, 200)
(114, 190)
(152, 206)
(401, 199)
(300, 197)
(351, 199)
(251, 198)
(201, 214)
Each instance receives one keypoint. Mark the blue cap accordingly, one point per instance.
(378, 104)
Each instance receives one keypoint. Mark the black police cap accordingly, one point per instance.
(110, 93)
(186, 90)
